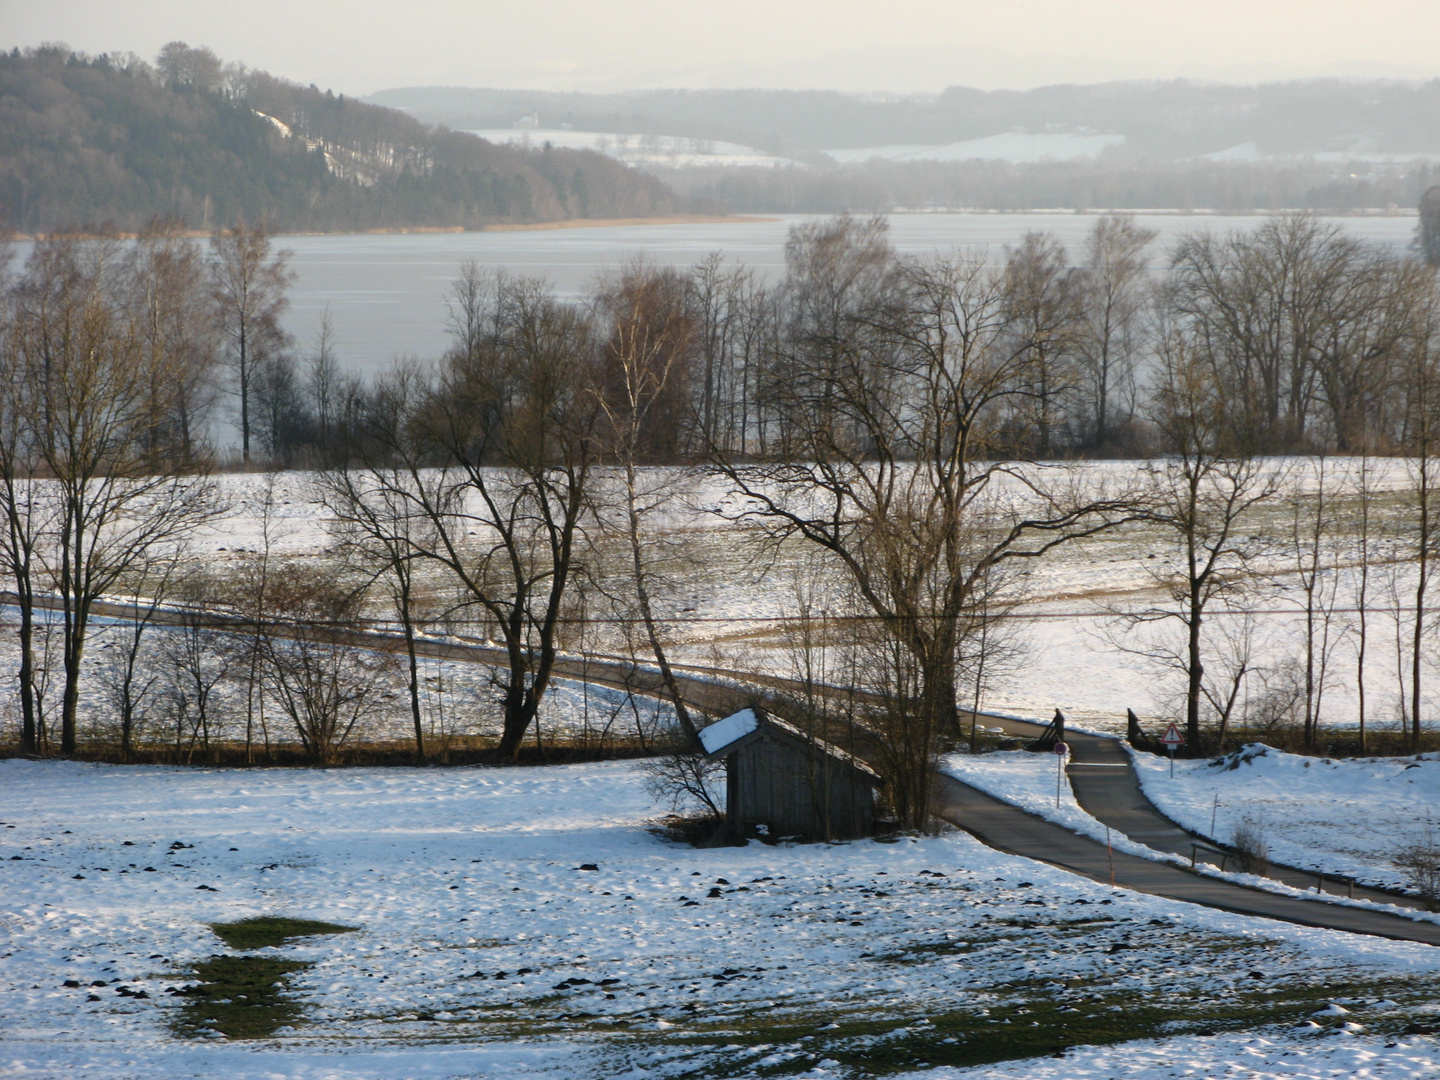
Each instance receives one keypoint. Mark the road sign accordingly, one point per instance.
(1172, 739)
(1061, 749)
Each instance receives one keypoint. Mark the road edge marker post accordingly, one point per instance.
(1060, 751)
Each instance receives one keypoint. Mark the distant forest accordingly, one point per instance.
(878, 187)
(1311, 139)
(115, 142)
(1161, 121)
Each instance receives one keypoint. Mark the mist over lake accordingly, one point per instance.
(386, 293)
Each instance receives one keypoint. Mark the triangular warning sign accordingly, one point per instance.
(1173, 736)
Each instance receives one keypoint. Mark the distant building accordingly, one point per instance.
(792, 783)
(527, 122)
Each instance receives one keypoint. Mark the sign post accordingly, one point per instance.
(1172, 739)
(1060, 751)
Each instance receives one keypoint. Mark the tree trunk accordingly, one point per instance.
(1196, 672)
(520, 710)
(647, 614)
(414, 671)
(30, 719)
(70, 702)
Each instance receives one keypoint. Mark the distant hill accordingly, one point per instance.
(1160, 120)
(1322, 144)
(116, 142)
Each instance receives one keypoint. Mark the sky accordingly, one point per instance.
(900, 46)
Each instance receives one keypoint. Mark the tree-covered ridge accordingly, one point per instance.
(114, 141)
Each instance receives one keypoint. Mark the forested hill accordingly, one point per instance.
(107, 141)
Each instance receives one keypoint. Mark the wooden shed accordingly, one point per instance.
(792, 783)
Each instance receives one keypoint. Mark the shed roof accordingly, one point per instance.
(722, 733)
(724, 737)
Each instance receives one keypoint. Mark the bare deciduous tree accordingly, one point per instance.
(92, 402)
(1114, 299)
(248, 285)
(323, 682)
(495, 454)
(1201, 493)
(893, 465)
(640, 377)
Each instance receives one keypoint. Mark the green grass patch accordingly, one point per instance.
(239, 997)
(993, 1029)
(268, 931)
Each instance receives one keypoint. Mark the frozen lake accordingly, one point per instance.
(386, 293)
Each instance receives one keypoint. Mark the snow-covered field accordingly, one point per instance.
(728, 601)
(1347, 817)
(1018, 146)
(525, 922)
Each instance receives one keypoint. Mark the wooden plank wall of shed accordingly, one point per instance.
(777, 784)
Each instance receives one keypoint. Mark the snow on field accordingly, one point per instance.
(1017, 146)
(525, 922)
(728, 600)
(458, 700)
(1347, 817)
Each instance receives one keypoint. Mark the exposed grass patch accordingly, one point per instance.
(992, 1029)
(239, 997)
(269, 931)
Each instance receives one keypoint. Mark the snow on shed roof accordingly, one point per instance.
(723, 735)
(724, 732)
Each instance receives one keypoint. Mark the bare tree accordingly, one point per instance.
(324, 683)
(1259, 303)
(26, 500)
(384, 531)
(128, 681)
(1201, 494)
(893, 465)
(1115, 294)
(248, 285)
(1314, 551)
(180, 65)
(639, 379)
(1421, 527)
(496, 457)
(197, 661)
(92, 398)
(164, 288)
(1364, 480)
(1044, 322)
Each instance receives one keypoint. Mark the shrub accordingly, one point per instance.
(1419, 861)
(1249, 841)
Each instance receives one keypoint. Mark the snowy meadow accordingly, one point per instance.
(1068, 639)
(528, 922)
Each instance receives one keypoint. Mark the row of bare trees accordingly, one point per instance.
(902, 420)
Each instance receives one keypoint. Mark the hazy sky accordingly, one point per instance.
(358, 46)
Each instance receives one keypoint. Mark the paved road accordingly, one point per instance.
(1107, 787)
(1005, 827)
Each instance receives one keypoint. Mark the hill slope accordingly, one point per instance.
(97, 140)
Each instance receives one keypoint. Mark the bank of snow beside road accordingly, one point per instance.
(1345, 817)
(527, 922)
